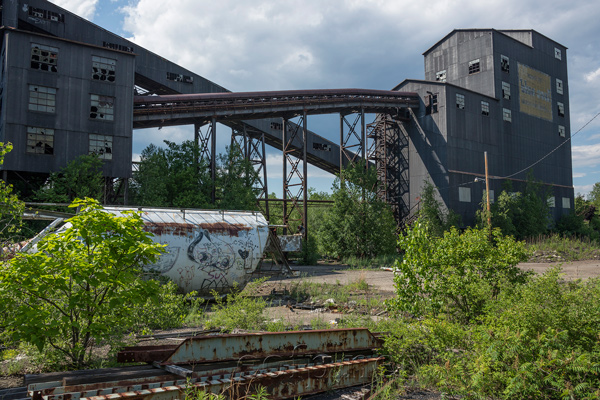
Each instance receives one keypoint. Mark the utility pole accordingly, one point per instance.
(487, 191)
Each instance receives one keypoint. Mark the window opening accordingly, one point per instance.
(504, 64)
(180, 78)
(432, 104)
(562, 132)
(474, 67)
(557, 53)
(561, 109)
(485, 108)
(506, 90)
(103, 69)
(101, 145)
(42, 99)
(506, 115)
(460, 101)
(40, 140)
(102, 107)
(551, 201)
(566, 202)
(44, 57)
(440, 76)
(559, 86)
(464, 194)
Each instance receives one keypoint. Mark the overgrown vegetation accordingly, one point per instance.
(80, 287)
(358, 224)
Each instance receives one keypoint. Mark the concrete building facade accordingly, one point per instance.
(494, 91)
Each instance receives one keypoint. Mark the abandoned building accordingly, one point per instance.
(68, 88)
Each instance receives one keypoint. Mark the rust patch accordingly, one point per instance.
(162, 228)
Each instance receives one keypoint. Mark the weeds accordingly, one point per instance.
(240, 310)
(386, 260)
(557, 247)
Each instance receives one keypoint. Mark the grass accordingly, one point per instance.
(387, 260)
(556, 247)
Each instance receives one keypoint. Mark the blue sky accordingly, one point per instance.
(308, 44)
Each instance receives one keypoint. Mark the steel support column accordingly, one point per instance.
(389, 149)
(206, 143)
(294, 177)
(352, 141)
(252, 145)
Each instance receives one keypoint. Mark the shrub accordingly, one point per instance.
(81, 285)
(456, 274)
(239, 311)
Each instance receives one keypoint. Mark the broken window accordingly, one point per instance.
(103, 69)
(102, 107)
(504, 64)
(276, 125)
(562, 131)
(460, 101)
(506, 115)
(561, 109)
(101, 145)
(40, 140)
(464, 194)
(506, 90)
(45, 14)
(180, 78)
(474, 67)
(559, 86)
(321, 146)
(557, 53)
(440, 76)
(551, 201)
(432, 104)
(485, 108)
(44, 57)
(42, 98)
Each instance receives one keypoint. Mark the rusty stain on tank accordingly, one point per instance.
(161, 228)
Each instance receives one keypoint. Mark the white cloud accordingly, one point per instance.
(586, 156)
(583, 190)
(593, 76)
(579, 174)
(83, 8)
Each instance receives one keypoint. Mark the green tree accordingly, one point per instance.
(358, 223)
(78, 289)
(171, 177)
(236, 179)
(432, 213)
(594, 195)
(11, 210)
(81, 178)
(456, 274)
(521, 214)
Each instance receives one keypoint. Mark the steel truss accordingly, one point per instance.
(388, 148)
(294, 177)
(205, 139)
(352, 141)
(251, 143)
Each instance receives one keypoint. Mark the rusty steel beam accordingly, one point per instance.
(290, 381)
(272, 344)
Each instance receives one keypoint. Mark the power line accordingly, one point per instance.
(553, 150)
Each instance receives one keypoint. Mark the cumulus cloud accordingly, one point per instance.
(83, 8)
(579, 174)
(586, 156)
(271, 45)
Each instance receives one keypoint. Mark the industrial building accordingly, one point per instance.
(504, 92)
(68, 87)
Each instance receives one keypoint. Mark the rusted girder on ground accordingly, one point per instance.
(287, 364)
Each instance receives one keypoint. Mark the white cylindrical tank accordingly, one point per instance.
(206, 249)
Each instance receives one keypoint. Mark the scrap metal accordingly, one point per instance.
(286, 364)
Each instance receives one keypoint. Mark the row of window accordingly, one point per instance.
(43, 99)
(41, 141)
(464, 196)
(475, 67)
(45, 58)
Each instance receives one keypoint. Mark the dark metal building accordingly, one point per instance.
(67, 88)
(504, 92)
